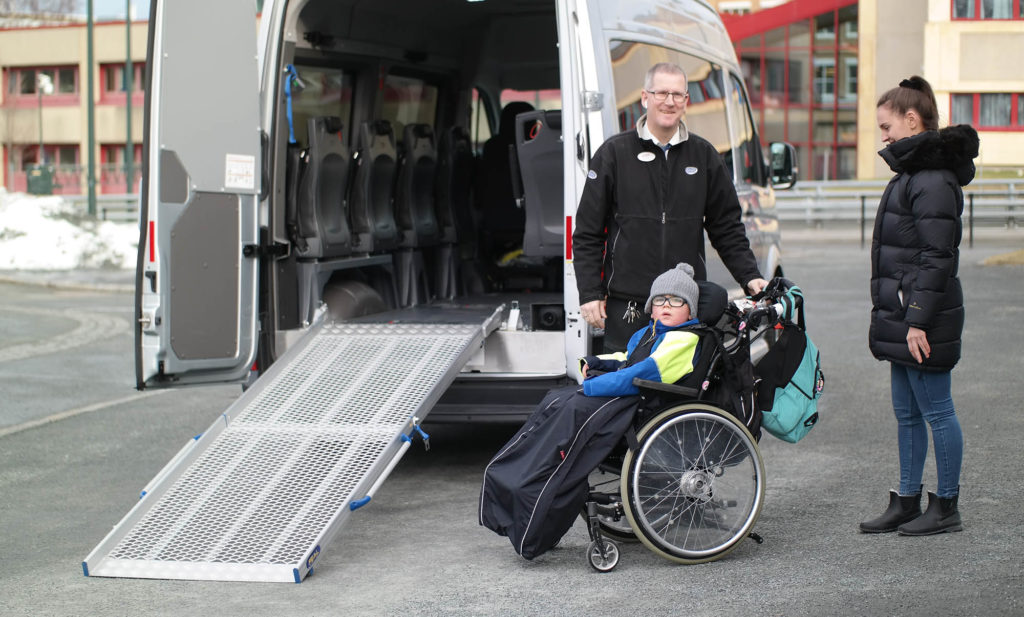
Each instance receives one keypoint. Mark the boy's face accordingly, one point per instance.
(670, 315)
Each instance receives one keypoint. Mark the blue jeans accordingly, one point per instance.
(917, 397)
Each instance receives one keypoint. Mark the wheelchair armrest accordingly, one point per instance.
(669, 388)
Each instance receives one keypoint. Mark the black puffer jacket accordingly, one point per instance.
(915, 248)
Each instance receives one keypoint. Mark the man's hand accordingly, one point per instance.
(594, 313)
(917, 341)
(755, 286)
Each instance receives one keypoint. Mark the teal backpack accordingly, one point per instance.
(789, 377)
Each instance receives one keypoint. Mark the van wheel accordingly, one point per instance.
(351, 299)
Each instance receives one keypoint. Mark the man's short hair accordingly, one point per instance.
(662, 67)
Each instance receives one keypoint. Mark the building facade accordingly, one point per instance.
(815, 69)
(44, 111)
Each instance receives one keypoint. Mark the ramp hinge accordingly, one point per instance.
(277, 249)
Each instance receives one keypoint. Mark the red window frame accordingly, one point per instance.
(12, 76)
(1015, 12)
(116, 96)
(1016, 124)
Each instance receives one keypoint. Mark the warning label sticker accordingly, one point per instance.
(239, 171)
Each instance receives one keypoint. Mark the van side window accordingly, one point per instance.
(325, 92)
(407, 100)
(479, 122)
(745, 144)
(705, 113)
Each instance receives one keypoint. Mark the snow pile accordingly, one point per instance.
(48, 233)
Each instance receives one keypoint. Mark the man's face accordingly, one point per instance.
(665, 115)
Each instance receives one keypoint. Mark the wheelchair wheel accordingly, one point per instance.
(694, 487)
(606, 560)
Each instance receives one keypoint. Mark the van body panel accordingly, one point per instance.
(196, 288)
(438, 70)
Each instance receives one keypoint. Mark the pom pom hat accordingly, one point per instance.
(676, 282)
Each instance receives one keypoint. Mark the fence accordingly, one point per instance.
(986, 203)
(123, 208)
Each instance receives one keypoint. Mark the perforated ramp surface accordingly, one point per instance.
(263, 491)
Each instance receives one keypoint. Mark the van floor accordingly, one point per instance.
(466, 309)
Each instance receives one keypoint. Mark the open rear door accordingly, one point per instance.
(196, 279)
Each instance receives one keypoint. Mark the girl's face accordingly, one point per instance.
(895, 127)
(670, 315)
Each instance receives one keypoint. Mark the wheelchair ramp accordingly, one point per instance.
(266, 488)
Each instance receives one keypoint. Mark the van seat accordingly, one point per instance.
(414, 191)
(373, 220)
(321, 223)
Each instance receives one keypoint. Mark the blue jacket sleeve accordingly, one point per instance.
(673, 357)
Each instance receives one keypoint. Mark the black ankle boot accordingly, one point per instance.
(901, 510)
(941, 516)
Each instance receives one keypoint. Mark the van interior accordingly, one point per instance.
(423, 159)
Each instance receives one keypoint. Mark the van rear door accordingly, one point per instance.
(196, 276)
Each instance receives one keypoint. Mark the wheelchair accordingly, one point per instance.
(688, 481)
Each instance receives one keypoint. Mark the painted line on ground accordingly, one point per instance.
(63, 415)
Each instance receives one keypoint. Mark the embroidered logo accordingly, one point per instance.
(646, 157)
(690, 170)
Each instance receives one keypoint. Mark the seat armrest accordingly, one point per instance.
(669, 388)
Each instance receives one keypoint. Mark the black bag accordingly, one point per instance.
(791, 380)
(536, 485)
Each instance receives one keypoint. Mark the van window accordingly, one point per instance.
(479, 125)
(705, 114)
(325, 92)
(746, 149)
(407, 100)
(540, 99)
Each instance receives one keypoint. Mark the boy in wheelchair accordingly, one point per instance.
(536, 485)
(692, 479)
(664, 351)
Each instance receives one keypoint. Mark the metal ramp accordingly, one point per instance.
(261, 493)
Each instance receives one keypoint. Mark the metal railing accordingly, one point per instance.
(121, 208)
(986, 203)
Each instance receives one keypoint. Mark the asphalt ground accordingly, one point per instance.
(77, 443)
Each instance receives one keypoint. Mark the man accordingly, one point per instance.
(649, 196)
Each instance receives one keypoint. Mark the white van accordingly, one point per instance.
(349, 162)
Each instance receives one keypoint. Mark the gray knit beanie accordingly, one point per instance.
(676, 282)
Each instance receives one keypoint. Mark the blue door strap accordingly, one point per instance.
(291, 77)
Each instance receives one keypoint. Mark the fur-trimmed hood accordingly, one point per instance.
(952, 148)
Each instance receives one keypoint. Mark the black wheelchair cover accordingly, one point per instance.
(536, 485)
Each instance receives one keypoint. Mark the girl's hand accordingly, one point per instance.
(584, 371)
(917, 341)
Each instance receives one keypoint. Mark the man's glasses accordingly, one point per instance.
(669, 300)
(677, 97)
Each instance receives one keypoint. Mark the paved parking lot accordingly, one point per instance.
(417, 550)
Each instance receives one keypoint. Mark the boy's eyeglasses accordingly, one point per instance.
(669, 300)
(677, 97)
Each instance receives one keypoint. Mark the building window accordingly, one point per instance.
(849, 92)
(824, 80)
(999, 111)
(24, 82)
(113, 77)
(988, 9)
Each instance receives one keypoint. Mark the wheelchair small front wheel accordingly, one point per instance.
(694, 487)
(603, 560)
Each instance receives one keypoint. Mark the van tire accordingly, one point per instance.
(351, 299)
